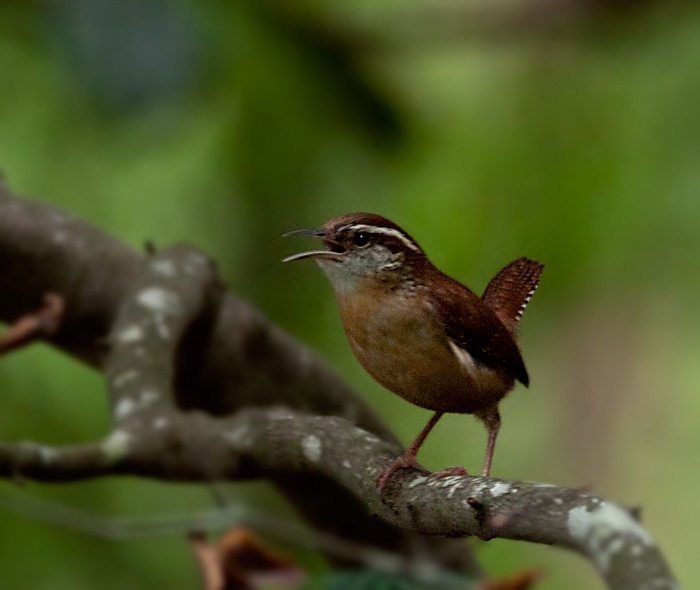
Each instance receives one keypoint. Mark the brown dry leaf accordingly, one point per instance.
(241, 560)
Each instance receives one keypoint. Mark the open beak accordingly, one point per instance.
(315, 233)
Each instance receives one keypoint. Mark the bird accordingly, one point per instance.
(420, 333)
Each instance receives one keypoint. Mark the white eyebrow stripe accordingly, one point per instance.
(386, 231)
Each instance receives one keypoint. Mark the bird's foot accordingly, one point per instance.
(407, 460)
(449, 472)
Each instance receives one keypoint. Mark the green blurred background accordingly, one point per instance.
(564, 131)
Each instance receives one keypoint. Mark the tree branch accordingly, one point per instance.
(188, 370)
(256, 443)
(176, 293)
(245, 362)
(232, 358)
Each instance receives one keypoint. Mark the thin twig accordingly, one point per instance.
(34, 326)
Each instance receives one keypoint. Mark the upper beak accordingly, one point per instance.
(315, 233)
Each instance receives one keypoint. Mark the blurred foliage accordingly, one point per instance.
(572, 139)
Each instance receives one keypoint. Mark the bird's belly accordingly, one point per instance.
(410, 355)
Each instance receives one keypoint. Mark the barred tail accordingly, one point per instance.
(510, 290)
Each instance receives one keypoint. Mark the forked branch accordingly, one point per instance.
(202, 388)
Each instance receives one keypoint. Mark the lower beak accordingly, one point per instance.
(314, 233)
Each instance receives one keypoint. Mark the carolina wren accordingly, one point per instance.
(420, 333)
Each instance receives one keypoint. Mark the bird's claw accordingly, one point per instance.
(408, 461)
(405, 461)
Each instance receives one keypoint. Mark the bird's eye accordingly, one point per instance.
(361, 238)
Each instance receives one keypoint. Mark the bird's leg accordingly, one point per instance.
(492, 420)
(408, 459)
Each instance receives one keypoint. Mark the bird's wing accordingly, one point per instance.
(473, 326)
(510, 290)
